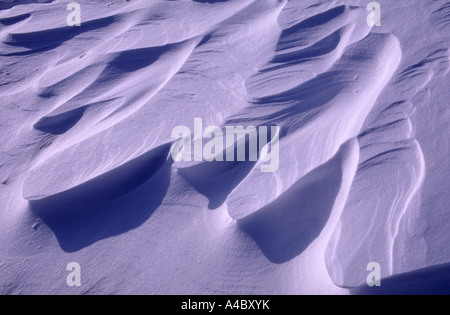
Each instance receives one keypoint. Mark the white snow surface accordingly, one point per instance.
(85, 135)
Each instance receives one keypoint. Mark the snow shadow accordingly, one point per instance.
(287, 226)
(8, 4)
(62, 123)
(112, 204)
(429, 281)
(217, 180)
(46, 40)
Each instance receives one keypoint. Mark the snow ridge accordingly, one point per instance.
(86, 139)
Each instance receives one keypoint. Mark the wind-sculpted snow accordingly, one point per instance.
(88, 173)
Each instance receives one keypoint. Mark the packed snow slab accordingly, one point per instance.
(86, 167)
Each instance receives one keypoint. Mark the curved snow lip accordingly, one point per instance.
(103, 188)
(307, 211)
(59, 124)
(287, 226)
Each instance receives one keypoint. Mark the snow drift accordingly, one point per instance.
(87, 176)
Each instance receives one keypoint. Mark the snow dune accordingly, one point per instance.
(87, 175)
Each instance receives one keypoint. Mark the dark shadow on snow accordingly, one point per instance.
(60, 124)
(429, 281)
(10, 4)
(216, 180)
(109, 205)
(287, 226)
(14, 19)
(42, 41)
(291, 35)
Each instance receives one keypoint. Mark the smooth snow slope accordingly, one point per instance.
(85, 168)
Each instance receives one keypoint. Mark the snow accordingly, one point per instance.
(87, 175)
